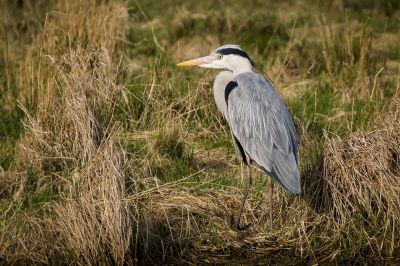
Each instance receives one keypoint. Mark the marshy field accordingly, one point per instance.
(110, 154)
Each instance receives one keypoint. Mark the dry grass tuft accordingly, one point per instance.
(70, 147)
(72, 25)
(360, 182)
(75, 122)
(93, 221)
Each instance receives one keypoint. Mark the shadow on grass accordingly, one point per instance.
(316, 190)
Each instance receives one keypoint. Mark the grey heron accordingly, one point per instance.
(261, 126)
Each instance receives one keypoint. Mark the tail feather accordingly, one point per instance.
(285, 169)
(285, 173)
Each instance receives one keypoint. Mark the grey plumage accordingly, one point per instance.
(263, 126)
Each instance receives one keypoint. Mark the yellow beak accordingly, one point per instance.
(196, 61)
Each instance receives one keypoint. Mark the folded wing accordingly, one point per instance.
(262, 124)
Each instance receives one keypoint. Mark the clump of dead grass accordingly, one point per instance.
(359, 182)
(76, 118)
(70, 151)
(93, 221)
(85, 24)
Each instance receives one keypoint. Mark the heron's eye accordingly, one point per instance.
(220, 56)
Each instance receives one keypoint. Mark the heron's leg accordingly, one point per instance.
(270, 204)
(245, 193)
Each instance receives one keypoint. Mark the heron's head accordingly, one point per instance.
(229, 57)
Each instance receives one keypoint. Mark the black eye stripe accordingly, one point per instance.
(235, 51)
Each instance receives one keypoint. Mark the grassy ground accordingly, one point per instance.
(111, 154)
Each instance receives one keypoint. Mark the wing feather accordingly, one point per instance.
(261, 123)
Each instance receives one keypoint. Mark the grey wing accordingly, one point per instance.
(261, 123)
